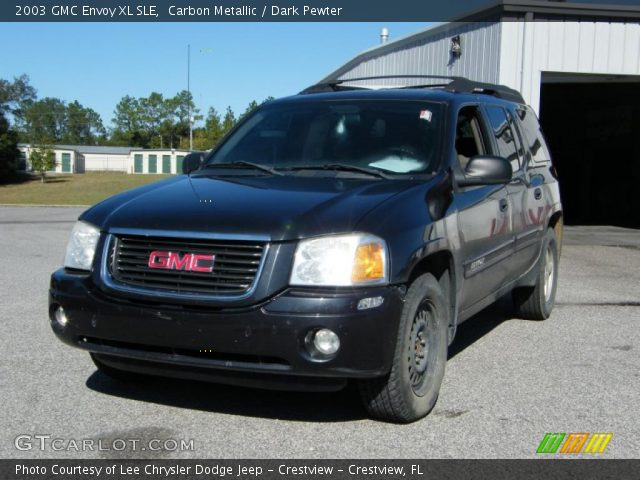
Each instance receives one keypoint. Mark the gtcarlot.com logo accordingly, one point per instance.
(44, 442)
(574, 443)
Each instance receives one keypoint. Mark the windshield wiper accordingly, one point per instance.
(243, 164)
(374, 172)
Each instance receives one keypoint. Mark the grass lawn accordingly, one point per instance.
(78, 189)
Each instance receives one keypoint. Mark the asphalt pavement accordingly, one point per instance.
(507, 382)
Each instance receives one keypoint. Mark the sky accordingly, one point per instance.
(231, 63)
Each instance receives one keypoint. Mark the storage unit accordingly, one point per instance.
(88, 158)
(137, 163)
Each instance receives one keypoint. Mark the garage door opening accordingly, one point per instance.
(592, 124)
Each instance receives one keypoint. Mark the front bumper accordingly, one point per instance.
(261, 345)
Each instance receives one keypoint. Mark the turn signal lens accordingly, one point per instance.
(369, 263)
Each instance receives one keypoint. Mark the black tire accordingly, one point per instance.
(536, 303)
(116, 374)
(410, 390)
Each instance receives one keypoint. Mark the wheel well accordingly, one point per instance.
(440, 265)
(556, 222)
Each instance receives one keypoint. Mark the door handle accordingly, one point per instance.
(537, 193)
(504, 205)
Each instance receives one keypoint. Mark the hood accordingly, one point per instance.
(280, 207)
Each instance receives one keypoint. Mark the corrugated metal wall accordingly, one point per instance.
(511, 53)
(428, 53)
(529, 49)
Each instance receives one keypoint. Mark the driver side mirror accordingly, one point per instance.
(192, 161)
(486, 170)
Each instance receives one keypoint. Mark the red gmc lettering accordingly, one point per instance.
(172, 261)
(195, 258)
(177, 263)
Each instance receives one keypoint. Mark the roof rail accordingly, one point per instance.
(464, 85)
(455, 84)
(335, 85)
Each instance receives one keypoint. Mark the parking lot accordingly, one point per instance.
(507, 383)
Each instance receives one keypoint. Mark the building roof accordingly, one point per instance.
(553, 10)
(503, 10)
(106, 149)
(96, 149)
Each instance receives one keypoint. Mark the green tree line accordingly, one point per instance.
(154, 121)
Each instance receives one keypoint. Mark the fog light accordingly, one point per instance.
(326, 342)
(60, 316)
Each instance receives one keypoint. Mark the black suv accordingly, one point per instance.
(339, 234)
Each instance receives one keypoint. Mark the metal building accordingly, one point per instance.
(577, 65)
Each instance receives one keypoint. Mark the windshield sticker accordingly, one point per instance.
(426, 115)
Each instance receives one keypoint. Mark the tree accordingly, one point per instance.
(213, 127)
(153, 121)
(44, 121)
(42, 160)
(153, 109)
(15, 96)
(178, 109)
(83, 126)
(129, 128)
(8, 148)
(250, 108)
(229, 121)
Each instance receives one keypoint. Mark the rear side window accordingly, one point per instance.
(533, 135)
(504, 135)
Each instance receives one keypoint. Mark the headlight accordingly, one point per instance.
(82, 246)
(340, 260)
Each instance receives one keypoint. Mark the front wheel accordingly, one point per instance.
(536, 303)
(411, 388)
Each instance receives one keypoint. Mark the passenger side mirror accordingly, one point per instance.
(486, 170)
(192, 161)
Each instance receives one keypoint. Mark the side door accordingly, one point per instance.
(539, 195)
(484, 220)
(521, 191)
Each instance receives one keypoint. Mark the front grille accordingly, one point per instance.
(235, 265)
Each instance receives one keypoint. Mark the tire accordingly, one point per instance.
(410, 390)
(536, 303)
(114, 373)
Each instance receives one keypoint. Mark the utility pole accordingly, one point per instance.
(189, 92)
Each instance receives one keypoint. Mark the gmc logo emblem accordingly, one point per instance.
(189, 262)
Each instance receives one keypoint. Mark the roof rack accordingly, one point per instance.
(456, 84)
(336, 85)
(464, 85)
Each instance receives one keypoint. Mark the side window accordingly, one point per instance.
(517, 132)
(533, 137)
(504, 135)
(469, 141)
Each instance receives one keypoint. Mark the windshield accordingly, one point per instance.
(395, 137)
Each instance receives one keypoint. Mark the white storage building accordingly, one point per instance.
(90, 158)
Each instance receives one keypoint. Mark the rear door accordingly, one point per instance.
(521, 192)
(541, 187)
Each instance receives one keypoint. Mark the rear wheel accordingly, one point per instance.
(411, 388)
(536, 303)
